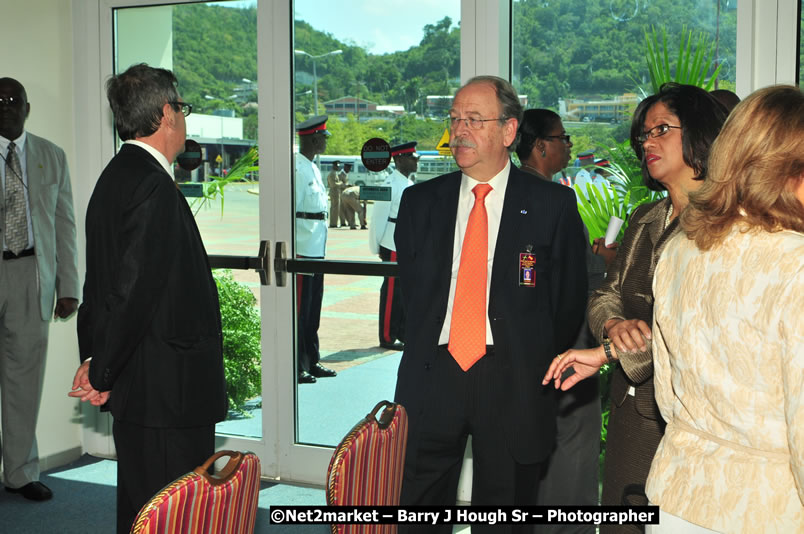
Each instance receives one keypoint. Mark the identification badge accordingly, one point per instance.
(527, 276)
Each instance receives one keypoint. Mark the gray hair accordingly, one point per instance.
(510, 106)
(137, 97)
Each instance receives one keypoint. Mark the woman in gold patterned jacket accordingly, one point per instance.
(671, 134)
(729, 333)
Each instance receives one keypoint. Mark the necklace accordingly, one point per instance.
(534, 169)
(669, 214)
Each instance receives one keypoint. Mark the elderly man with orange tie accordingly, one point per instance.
(493, 265)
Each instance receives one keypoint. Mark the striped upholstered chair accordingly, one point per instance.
(200, 503)
(366, 467)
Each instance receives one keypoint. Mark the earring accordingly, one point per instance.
(544, 154)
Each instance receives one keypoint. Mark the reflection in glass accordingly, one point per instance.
(371, 83)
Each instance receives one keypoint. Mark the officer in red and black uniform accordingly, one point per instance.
(381, 240)
(311, 242)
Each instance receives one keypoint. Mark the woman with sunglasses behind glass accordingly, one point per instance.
(671, 134)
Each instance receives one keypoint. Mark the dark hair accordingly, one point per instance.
(137, 97)
(536, 124)
(701, 117)
(510, 107)
(729, 99)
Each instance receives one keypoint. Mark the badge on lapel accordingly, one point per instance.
(527, 276)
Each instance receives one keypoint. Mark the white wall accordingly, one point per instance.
(38, 42)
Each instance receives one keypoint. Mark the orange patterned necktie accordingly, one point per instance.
(467, 333)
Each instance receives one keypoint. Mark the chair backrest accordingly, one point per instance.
(198, 502)
(366, 467)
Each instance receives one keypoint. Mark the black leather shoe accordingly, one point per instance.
(306, 378)
(34, 491)
(321, 372)
(393, 346)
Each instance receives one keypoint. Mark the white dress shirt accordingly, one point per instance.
(381, 229)
(494, 206)
(311, 197)
(161, 158)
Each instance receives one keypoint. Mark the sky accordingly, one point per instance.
(379, 26)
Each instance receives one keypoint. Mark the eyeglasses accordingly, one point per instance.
(10, 100)
(472, 122)
(186, 108)
(656, 131)
(565, 138)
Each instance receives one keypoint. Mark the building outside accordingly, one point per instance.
(619, 109)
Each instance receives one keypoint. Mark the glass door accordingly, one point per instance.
(375, 74)
(212, 49)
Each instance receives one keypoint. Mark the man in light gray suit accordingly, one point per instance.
(37, 230)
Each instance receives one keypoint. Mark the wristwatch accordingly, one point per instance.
(607, 349)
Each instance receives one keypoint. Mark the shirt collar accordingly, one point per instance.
(19, 141)
(158, 156)
(498, 183)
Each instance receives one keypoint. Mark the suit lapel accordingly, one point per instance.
(444, 213)
(35, 172)
(514, 211)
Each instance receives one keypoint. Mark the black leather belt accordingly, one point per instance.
(314, 216)
(392, 219)
(8, 255)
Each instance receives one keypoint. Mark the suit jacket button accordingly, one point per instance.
(427, 366)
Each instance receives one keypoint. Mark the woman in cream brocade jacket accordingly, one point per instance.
(729, 378)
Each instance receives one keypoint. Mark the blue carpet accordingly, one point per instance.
(84, 491)
(84, 503)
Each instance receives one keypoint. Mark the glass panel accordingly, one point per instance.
(587, 60)
(212, 49)
(371, 82)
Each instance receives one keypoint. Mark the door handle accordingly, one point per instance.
(260, 263)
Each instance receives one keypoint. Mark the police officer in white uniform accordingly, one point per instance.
(381, 241)
(311, 242)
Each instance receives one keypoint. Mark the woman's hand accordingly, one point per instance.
(628, 335)
(585, 363)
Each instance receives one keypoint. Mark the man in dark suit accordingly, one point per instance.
(495, 265)
(39, 261)
(149, 327)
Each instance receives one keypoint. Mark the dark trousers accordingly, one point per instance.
(571, 471)
(310, 294)
(392, 315)
(148, 459)
(463, 404)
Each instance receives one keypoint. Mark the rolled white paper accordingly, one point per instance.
(615, 223)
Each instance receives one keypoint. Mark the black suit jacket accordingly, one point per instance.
(150, 317)
(530, 325)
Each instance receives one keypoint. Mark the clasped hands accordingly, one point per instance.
(627, 335)
(83, 390)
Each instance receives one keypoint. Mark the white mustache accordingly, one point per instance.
(460, 141)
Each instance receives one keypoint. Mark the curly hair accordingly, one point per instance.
(755, 163)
